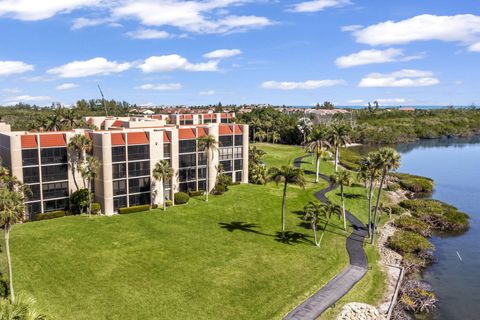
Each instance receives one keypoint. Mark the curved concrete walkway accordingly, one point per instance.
(314, 306)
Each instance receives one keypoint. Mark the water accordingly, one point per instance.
(454, 164)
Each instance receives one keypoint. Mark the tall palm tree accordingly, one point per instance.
(12, 210)
(342, 178)
(70, 118)
(275, 137)
(287, 175)
(261, 135)
(23, 308)
(328, 211)
(55, 120)
(312, 213)
(255, 155)
(89, 170)
(254, 123)
(339, 136)
(78, 147)
(317, 146)
(163, 172)
(368, 172)
(386, 160)
(209, 145)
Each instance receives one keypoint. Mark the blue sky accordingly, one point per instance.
(169, 52)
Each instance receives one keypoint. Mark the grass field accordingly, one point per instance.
(215, 260)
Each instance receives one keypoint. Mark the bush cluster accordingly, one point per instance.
(50, 215)
(405, 242)
(168, 203)
(96, 208)
(416, 184)
(181, 198)
(195, 193)
(133, 209)
(410, 223)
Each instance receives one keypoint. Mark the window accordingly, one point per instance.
(238, 152)
(119, 170)
(52, 205)
(225, 141)
(186, 122)
(188, 186)
(138, 152)
(34, 192)
(55, 190)
(55, 173)
(119, 202)
(136, 169)
(187, 146)
(118, 154)
(202, 173)
(202, 185)
(187, 174)
(238, 140)
(54, 155)
(31, 175)
(119, 187)
(227, 165)
(138, 185)
(187, 160)
(225, 120)
(202, 159)
(238, 164)
(238, 176)
(33, 209)
(226, 153)
(30, 157)
(166, 150)
(139, 199)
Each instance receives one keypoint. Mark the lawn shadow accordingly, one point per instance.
(291, 238)
(353, 196)
(241, 226)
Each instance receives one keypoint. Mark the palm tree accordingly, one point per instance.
(55, 120)
(254, 123)
(342, 178)
(287, 175)
(328, 211)
(255, 155)
(70, 118)
(209, 145)
(275, 137)
(317, 141)
(23, 308)
(163, 172)
(12, 210)
(304, 125)
(89, 170)
(312, 212)
(261, 135)
(386, 160)
(339, 137)
(78, 147)
(368, 173)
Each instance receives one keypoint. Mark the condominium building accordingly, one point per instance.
(128, 149)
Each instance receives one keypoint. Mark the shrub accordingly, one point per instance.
(4, 292)
(397, 210)
(405, 242)
(133, 209)
(219, 189)
(168, 203)
(225, 180)
(416, 184)
(392, 187)
(79, 201)
(439, 215)
(96, 208)
(410, 223)
(181, 198)
(195, 193)
(50, 215)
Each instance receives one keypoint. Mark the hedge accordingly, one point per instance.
(96, 208)
(181, 198)
(133, 209)
(195, 193)
(50, 215)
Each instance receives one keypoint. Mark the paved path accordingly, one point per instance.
(314, 306)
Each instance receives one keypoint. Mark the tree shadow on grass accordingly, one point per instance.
(353, 196)
(241, 226)
(290, 238)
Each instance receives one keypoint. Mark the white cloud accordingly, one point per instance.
(392, 101)
(222, 53)
(11, 90)
(475, 47)
(148, 34)
(351, 28)
(66, 86)
(14, 67)
(207, 93)
(92, 67)
(307, 85)
(26, 98)
(80, 23)
(161, 87)
(463, 28)
(355, 101)
(38, 10)
(400, 79)
(318, 5)
(373, 56)
(174, 62)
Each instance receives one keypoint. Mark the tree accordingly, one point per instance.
(368, 172)
(317, 142)
(254, 123)
(287, 175)
(386, 160)
(339, 136)
(207, 144)
(255, 155)
(304, 125)
(262, 135)
(70, 119)
(23, 308)
(78, 147)
(89, 170)
(312, 213)
(342, 178)
(275, 137)
(12, 210)
(163, 172)
(55, 120)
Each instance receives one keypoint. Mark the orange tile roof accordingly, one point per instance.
(52, 140)
(118, 123)
(117, 139)
(202, 132)
(137, 138)
(186, 133)
(209, 116)
(166, 138)
(238, 129)
(226, 115)
(186, 117)
(225, 130)
(28, 141)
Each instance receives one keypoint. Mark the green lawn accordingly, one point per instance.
(215, 260)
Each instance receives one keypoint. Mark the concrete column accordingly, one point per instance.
(16, 164)
(245, 153)
(156, 154)
(175, 161)
(213, 157)
(102, 149)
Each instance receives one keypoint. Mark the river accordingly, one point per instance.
(454, 164)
